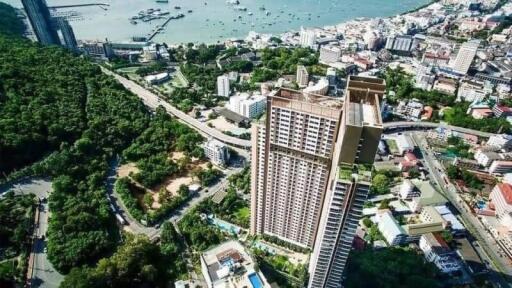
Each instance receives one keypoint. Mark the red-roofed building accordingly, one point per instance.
(410, 157)
(501, 197)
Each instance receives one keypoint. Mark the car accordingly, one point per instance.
(45, 249)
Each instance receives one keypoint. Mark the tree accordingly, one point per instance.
(137, 263)
(380, 184)
(183, 191)
(10, 23)
(390, 268)
(384, 204)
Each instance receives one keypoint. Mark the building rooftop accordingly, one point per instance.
(358, 172)
(506, 191)
(230, 266)
(325, 106)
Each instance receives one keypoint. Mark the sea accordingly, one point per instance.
(212, 21)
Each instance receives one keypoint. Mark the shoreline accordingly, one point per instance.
(324, 27)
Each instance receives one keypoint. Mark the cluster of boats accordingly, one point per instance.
(154, 14)
(149, 15)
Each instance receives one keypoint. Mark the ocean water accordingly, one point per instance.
(212, 21)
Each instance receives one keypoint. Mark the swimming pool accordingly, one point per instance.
(223, 225)
(255, 280)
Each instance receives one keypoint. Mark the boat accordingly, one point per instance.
(177, 7)
(267, 13)
(262, 8)
(190, 11)
(162, 1)
(133, 22)
(250, 13)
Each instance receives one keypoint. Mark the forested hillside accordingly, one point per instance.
(61, 110)
(10, 24)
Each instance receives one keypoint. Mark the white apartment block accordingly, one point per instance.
(470, 91)
(223, 86)
(500, 167)
(408, 190)
(307, 38)
(390, 229)
(501, 197)
(437, 251)
(250, 106)
(217, 152)
(302, 76)
(500, 141)
(329, 54)
(465, 56)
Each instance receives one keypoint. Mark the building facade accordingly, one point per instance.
(465, 56)
(311, 171)
(302, 77)
(223, 86)
(217, 152)
(41, 21)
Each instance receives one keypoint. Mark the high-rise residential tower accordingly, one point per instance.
(465, 56)
(67, 34)
(223, 86)
(349, 180)
(41, 21)
(311, 164)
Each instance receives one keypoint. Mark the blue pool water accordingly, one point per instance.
(225, 226)
(480, 204)
(255, 280)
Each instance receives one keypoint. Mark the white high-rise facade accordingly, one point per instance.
(307, 38)
(465, 56)
(223, 85)
(302, 76)
(311, 168)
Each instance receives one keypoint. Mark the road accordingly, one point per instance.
(153, 101)
(135, 227)
(502, 270)
(407, 124)
(43, 274)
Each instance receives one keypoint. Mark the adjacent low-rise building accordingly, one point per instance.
(157, 78)
(230, 266)
(501, 197)
(217, 152)
(250, 106)
(437, 251)
(390, 229)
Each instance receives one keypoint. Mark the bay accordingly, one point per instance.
(213, 21)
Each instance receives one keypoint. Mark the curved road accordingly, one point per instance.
(153, 101)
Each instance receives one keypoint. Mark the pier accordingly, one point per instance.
(101, 5)
(158, 30)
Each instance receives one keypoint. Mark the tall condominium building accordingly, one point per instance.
(302, 77)
(299, 147)
(349, 181)
(311, 165)
(465, 56)
(41, 21)
(307, 38)
(223, 86)
(67, 34)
